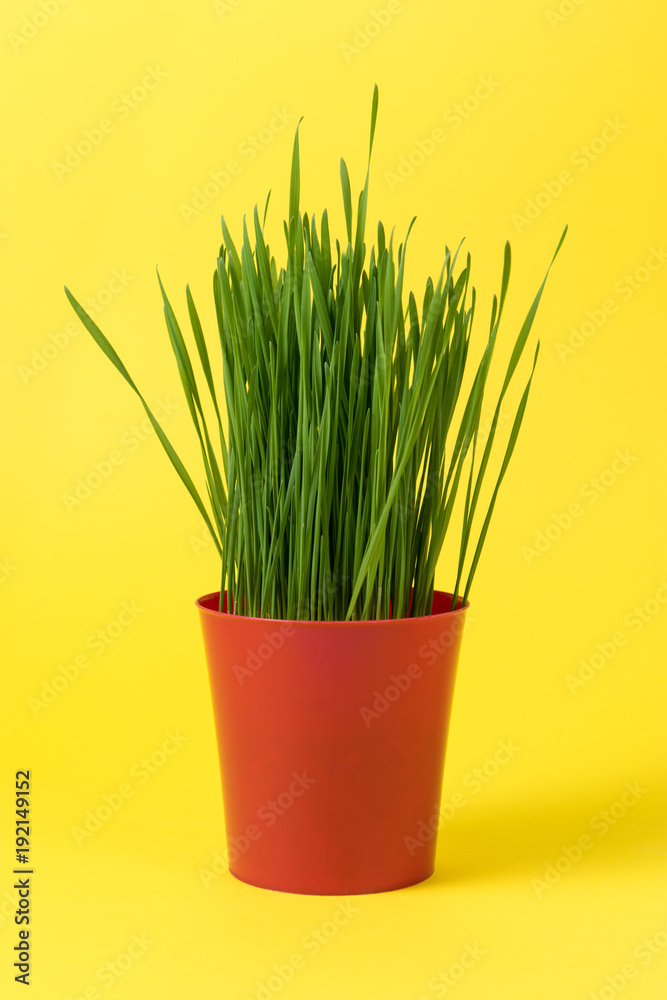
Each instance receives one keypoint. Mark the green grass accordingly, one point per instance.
(332, 492)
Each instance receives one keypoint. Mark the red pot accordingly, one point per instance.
(331, 738)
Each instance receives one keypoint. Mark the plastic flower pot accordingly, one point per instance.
(331, 738)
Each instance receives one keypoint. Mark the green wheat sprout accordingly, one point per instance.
(330, 494)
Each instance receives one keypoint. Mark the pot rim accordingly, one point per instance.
(199, 603)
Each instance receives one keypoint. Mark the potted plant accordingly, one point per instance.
(351, 432)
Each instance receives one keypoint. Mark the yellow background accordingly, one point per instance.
(556, 81)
